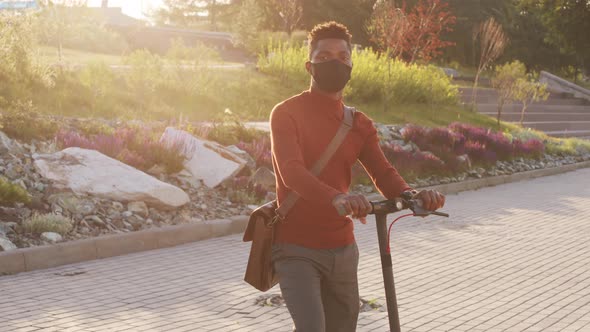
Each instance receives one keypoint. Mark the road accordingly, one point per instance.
(511, 258)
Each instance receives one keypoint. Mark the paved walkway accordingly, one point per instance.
(511, 258)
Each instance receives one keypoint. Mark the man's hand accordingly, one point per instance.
(432, 200)
(356, 206)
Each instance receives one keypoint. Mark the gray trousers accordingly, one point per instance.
(320, 286)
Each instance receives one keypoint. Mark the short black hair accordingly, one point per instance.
(328, 30)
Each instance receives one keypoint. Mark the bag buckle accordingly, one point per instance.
(277, 218)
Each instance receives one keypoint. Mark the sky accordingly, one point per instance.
(130, 7)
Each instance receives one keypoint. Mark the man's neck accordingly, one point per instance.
(335, 96)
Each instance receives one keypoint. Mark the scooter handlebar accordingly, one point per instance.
(399, 204)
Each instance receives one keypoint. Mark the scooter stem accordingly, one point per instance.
(387, 268)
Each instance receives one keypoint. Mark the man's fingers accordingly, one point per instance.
(347, 207)
(433, 200)
(354, 205)
(363, 206)
(440, 200)
(425, 200)
(368, 206)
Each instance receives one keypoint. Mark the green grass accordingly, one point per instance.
(430, 116)
(49, 54)
(249, 94)
(49, 222)
(257, 93)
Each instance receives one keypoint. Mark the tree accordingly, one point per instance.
(70, 24)
(57, 20)
(428, 19)
(387, 27)
(21, 72)
(528, 91)
(291, 12)
(470, 14)
(492, 42)
(352, 13)
(248, 23)
(568, 23)
(505, 79)
(189, 13)
(415, 34)
(529, 44)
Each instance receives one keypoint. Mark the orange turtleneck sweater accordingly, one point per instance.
(301, 128)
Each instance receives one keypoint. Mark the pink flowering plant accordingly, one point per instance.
(135, 146)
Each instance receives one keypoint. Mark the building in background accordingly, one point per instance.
(18, 4)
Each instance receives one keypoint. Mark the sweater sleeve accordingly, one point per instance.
(288, 157)
(385, 177)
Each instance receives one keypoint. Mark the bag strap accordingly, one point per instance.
(319, 165)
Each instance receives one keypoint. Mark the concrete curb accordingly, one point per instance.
(43, 257)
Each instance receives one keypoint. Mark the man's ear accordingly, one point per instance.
(308, 67)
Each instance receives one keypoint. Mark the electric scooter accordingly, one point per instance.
(381, 209)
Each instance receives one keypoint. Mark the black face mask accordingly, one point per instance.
(331, 76)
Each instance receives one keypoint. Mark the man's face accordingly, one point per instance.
(330, 49)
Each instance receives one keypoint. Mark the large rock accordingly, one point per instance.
(90, 172)
(51, 237)
(8, 145)
(6, 245)
(207, 161)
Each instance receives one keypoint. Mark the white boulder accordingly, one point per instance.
(90, 172)
(206, 160)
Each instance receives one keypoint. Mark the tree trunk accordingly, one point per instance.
(522, 113)
(500, 106)
(288, 29)
(474, 92)
(59, 49)
(213, 14)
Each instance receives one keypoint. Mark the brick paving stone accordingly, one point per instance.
(511, 258)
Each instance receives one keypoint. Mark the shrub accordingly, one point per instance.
(50, 222)
(413, 164)
(134, 146)
(532, 148)
(76, 27)
(243, 192)
(11, 193)
(479, 154)
(21, 121)
(282, 59)
(98, 78)
(526, 134)
(198, 53)
(374, 76)
(495, 141)
(145, 74)
(228, 129)
(20, 71)
(260, 150)
(567, 146)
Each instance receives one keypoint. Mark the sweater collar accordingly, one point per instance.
(324, 102)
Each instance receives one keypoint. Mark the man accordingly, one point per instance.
(314, 251)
